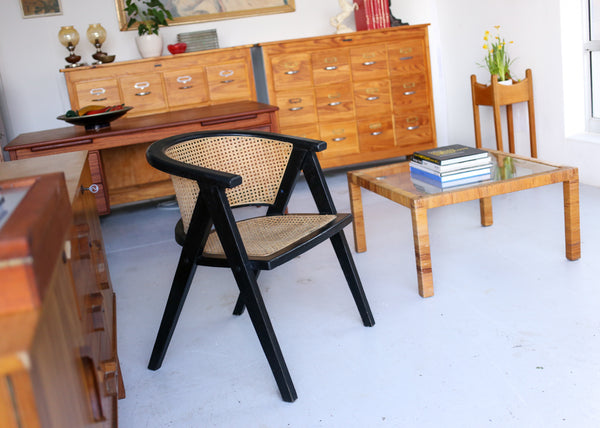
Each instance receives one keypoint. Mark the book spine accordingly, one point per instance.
(385, 14)
(427, 158)
(369, 12)
(360, 15)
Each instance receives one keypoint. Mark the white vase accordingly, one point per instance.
(149, 45)
(505, 82)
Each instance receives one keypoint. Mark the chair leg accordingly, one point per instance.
(179, 290)
(264, 330)
(239, 304)
(344, 256)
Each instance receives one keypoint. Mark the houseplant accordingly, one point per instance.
(148, 16)
(497, 60)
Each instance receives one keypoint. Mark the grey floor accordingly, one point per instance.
(510, 339)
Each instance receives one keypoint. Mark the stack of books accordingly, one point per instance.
(371, 14)
(450, 166)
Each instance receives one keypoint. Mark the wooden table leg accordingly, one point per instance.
(358, 222)
(485, 209)
(422, 251)
(572, 232)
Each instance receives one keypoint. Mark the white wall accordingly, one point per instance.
(33, 93)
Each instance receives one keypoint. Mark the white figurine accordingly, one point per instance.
(338, 20)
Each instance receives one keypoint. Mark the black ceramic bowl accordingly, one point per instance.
(94, 122)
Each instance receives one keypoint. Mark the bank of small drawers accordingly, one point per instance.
(368, 94)
(166, 83)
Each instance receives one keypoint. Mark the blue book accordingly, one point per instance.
(484, 173)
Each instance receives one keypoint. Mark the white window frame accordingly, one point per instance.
(590, 46)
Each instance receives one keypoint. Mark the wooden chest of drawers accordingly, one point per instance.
(167, 83)
(58, 356)
(367, 94)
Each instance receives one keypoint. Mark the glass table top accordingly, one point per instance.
(504, 167)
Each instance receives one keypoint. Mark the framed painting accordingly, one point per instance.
(37, 8)
(191, 11)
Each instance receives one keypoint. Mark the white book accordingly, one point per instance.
(452, 167)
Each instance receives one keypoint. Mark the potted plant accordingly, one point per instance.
(497, 60)
(148, 16)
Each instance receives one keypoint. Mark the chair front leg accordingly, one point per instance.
(344, 256)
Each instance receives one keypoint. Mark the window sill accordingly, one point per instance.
(584, 137)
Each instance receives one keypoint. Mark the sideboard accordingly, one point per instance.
(117, 154)
(59, 364)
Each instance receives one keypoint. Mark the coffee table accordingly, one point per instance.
(394, 182)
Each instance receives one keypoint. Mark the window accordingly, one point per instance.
(592, 46)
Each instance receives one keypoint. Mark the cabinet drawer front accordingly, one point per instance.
(341, 139)
(291, 71)
(102, 92)
(372, 98)
(331, 66)
(144, 92)
(407, 56)
(228, 82)
(296, 108)
(412, 126)
(305, 131)
(369, 62)
(410, 90)
(335, 102)
(376, 135)
(185, 87)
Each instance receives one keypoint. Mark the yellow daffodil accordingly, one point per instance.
(497, 60)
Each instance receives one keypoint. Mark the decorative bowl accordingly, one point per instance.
(177, 48)
(95, 122)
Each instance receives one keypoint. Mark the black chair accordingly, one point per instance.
(213, 172)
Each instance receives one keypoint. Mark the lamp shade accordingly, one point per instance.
(96, 32)
(68, 34)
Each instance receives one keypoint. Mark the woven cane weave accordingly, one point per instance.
(263, 236)
(261, 162)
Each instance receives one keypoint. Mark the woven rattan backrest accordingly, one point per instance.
(261, 162)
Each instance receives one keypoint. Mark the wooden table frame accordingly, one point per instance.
(419, 204)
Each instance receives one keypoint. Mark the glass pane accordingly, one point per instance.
(594, 19)
(595, 81)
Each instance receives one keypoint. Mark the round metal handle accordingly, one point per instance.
(93, 188)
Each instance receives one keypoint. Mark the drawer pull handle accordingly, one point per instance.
(375, 133)
(405, 58)
(367, 63)
(295, 100)
(372, 98)
(184, 80)
(92, 189)
(410, 92)
(143, 94)
(96, 92)
(142, 86)
(412, 128)
(330, 67)
(335, 103)
(292, 71)
(338, 139)
(227, 81)
(295, 108)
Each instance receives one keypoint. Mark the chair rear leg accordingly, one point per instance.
(239, 304)
(344, 256)
(179, 290)
(264, 330)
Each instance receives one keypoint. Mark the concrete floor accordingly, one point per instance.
(510, 339)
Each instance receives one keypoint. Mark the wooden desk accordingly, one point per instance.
(117, 154)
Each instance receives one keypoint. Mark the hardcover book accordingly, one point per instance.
(430, 166)
(480, 172)
(450, 154)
